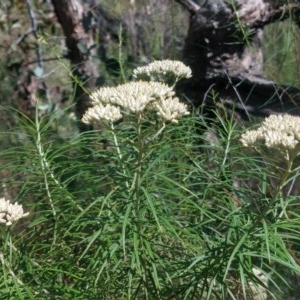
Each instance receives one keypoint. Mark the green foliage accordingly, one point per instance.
(281, 47)
(189, 214)
(128, 213)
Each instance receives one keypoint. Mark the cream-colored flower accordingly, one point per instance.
(168, 71)
(100, 113)
(276, 131)
(103, 95)
(132, 96)
(136, 96)
(250, 137)
(10, 213)
(282, 139)
(171, 109)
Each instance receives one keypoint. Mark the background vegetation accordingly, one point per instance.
(207, 214)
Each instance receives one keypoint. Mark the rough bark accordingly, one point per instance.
(77, 28)
(224, 50)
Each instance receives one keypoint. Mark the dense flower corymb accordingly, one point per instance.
(276, 131)
(134, 97)
(161, 70)
(10, 213)
(140, 96)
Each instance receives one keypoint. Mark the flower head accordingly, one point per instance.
(137, 96)
(163, 70)
(171, 109)
(281, 131)
(103, 95)
(100, 113)
(132, 96)
(10, 213)
(250, 137)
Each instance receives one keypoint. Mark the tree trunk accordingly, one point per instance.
(224, 50)
(76, 25)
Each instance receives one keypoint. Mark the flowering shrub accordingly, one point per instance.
(144, 108)
(142, 209)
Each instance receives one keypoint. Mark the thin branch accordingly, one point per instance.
(238, 95)
(57, 58)
(189, 5)
(34, 31)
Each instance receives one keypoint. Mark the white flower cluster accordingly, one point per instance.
(281, 131)
(102, 112)
(10, 213)
(170, 109)
(163, 70)
(135, 97)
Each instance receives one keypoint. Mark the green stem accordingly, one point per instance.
(120, 155)
(283, 180)
(120, 52)
(137, 194)
(7, 263)
(44, 164)
(45, 170)
(278, 191)
(140, 146)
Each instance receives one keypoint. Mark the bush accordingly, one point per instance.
(148, 206)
